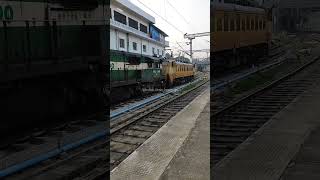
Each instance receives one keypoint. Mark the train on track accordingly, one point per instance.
(240, 35)
(53, 62)
(130, 74)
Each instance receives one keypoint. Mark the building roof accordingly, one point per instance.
(135, 9)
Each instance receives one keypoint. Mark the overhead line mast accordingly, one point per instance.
(192, 37)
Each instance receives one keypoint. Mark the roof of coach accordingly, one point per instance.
(177, 62)
(234, 7)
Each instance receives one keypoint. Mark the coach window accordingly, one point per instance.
(232, 25)
(219, 24)
(248, 23)
(243, 25)
(256, 23)
(238, 23)
(226, 23)
(213, 24)
(260, 24)
(252, 25)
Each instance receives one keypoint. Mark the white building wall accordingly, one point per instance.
(136, 40)
(117, 34)
(140, 20)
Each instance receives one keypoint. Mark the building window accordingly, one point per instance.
(248, 23)
(120, 17)
(264, 25)
(144, 47)
(158, 51)
(109, 13)
(162, 52)
(133, 23)
(134, 46)
(143, 28)
(121, 43)
(153, 50)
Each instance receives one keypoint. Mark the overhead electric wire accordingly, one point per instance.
(179, 13)
(161, 17)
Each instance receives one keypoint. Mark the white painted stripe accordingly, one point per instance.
(36, 11)
(122, 65)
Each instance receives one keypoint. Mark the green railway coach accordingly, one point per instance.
(129, 73)
(52, 54)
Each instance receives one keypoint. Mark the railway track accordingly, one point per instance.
(233, 124)
(128, 135)
(62, 152)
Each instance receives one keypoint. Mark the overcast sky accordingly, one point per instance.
(188, 16)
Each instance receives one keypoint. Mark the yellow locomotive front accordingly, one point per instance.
(240, 35)
(177, 72)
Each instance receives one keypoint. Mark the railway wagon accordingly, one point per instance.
(177, 72)
(52, 61)
(240, 35)
(130, 73)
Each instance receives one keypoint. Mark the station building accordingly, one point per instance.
(132, 31)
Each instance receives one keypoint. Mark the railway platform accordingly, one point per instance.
(285, 148)
(177, 150)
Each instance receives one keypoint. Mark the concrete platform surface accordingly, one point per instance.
(192, 162)
(306, 163)
(266, 154)
(152, 158)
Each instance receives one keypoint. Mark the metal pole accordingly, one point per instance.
(190, 49)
